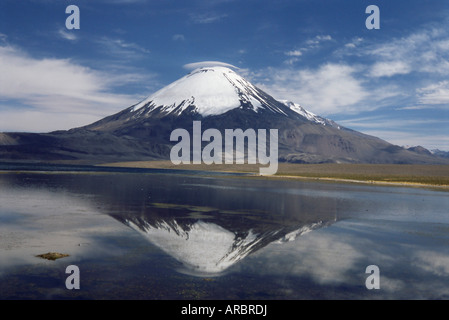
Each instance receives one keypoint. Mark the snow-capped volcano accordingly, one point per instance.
(221, 99)
(212, 91)
(208, 91)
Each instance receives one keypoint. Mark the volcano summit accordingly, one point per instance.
(221, 99)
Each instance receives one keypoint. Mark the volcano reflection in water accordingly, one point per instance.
(207, 241)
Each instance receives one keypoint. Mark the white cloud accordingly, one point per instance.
(443, 45)
(318, 39)
(291, 61)
(434, 94)
(411, 108)
(389, 69)
(354, 43)
(67, 35)
(423, 51)
(27, 78)
(294, 53)
(205, 64)
(331, 88)
(55, 89)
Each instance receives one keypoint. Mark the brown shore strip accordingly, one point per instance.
(385, 174)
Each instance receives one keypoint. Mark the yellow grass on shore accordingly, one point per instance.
(389, 174)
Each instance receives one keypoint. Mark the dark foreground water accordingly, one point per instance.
(165, 235)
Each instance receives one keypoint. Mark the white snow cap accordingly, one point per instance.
(212, 90)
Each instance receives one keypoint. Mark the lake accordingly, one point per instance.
(169, 235)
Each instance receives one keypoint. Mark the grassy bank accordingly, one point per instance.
(427, 175)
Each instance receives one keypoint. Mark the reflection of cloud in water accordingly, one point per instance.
(324, 257)
(433, 262)
(36, 221)
(338, 256)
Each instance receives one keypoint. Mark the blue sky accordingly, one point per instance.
(391, 82)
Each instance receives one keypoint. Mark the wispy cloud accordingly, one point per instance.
(429, 132)
(205, 18)
(56, 87)
(3, 38)
(380, 122)
(121, 48)
(435, 94)
(423, 51)
(429, 140)
(294, 53)
(67, 35)
(317, 40)
(308, 45)
(205, 64)
(179, 37)
(433, 262)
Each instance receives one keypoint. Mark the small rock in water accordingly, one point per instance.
(52, 255)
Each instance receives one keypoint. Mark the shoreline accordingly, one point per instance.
(401, 175)
(369, 182)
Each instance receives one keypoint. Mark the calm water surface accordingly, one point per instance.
(143, 235)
